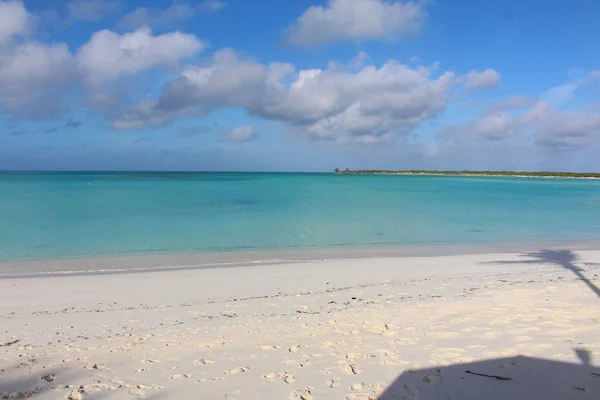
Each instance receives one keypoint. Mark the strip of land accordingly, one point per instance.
(493, 326)
(532, 174)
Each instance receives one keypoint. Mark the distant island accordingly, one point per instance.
(535, 174)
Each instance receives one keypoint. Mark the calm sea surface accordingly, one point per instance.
(71, 215)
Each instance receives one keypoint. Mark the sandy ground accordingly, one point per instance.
(485, 326)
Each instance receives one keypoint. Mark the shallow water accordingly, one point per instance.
(73, 215)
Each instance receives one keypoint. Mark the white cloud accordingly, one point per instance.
(372, 102)
(241, 134)
(492, 127)
(541, 125)
(29, 71)
(332, 104)
(157, 17)
(487, 79)
(36, 78)
(140, 116)
(511, 103)
(15, 20)
(212, 5)
(109, 55)
(92, 10)
(562, 130)
(357, 20)
(562, 94)
(359, 61)
(146, 114)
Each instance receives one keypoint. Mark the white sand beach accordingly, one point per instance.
(482, 326)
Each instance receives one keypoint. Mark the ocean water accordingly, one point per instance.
(46, 216)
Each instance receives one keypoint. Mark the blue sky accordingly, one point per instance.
(301, 85)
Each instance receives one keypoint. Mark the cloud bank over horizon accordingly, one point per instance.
(127, 80)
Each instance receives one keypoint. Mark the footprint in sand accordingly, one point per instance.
(360, 396)
(352, 369)
(180, 376)
(335, 382)
(357, 387)
(275, 376)
(354, 356)
(296, 395)
(302, 363)
(431, 377)
(74, 395)
(269, 348)
(376, 387)
(237, 370)
(412, 391)
(138, 393)
(203, 362)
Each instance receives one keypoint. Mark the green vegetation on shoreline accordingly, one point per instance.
(539, 174)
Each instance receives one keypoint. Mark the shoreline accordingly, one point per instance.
(132, 264)
(467, 175)
(354, 329)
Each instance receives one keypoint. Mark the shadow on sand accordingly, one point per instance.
(21, 382)
(563, 258)
(511, 378)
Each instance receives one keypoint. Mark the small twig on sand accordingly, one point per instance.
(501, 378)
(11, 343)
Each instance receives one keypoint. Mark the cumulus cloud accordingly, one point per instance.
(359, 61)
(108, 55)
(92, 10)
(226, 81)
(36, 78)
(562, 94)
(511, 103)
(562, 130)
(109, 99)
(146, 114)
(333, 104)
(30, 71)
(487, 79)
(540, 124)
(15, 20)
(241, 134)
(492, 127)
(357, 20)
(158, 17)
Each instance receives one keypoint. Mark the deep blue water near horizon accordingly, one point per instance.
(62, 215)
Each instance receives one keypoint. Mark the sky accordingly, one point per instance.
(302, 85)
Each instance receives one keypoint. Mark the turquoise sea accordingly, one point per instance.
(74, 215)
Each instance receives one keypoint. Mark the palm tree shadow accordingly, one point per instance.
(516, 378)
(563, 258)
